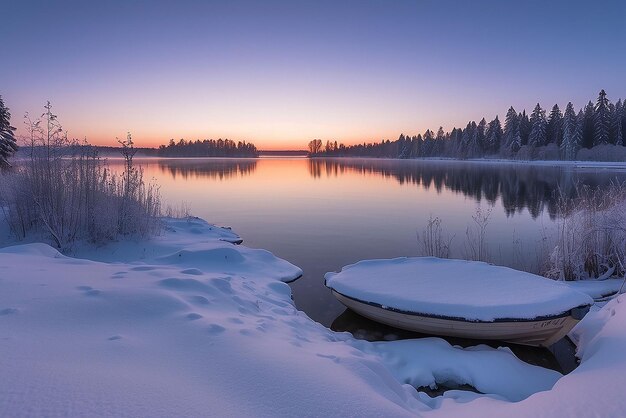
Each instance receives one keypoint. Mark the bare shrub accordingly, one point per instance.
(526, 153)
(67, 192)
(591, 238)
(140, 203)
(183, 210)
(604, 152)
(476, 236)
(431, 241)
(16, 203)
(550, 152)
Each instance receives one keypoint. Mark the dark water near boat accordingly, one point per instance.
(322, 214)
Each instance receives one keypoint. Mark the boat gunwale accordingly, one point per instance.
(461, 319)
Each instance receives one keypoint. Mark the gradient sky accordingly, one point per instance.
(282, 73)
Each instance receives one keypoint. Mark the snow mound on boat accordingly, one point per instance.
(461, 289)
(597, 289)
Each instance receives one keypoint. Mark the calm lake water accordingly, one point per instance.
(322, 214)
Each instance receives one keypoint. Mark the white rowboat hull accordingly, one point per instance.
(542, 332)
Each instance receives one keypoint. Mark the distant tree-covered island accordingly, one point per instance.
(208, 148)
(596, 132)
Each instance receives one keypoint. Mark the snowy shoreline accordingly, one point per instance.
(188, 324)
(617, 165)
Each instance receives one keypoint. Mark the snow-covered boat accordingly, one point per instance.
(460, 298)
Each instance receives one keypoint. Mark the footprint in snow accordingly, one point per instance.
(193, 316)
(330, 357)
(88, 290)
(143, 268)
(114, 338)
(199, 300)
(8, 311)
(280, 312)
(193, 272)
(262, 328)
(216, 329)
(223, 285)
(186, 285)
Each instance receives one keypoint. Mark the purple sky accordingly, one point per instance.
(282, 73)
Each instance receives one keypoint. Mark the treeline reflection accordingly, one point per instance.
(215, 169)
(531, 187)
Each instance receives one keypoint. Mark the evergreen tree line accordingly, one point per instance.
(555, 136)
(208, 148)
(8, 143)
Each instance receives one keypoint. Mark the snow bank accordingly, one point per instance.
(429, 362)
(85, 338)
(170, 335)
(594, 389)
(455, 288)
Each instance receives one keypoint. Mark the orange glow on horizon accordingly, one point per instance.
(147, 141)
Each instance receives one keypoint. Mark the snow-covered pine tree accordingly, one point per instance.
(440, 141)
(481, 135)
(404, 146)
(455, 139)
(517, 141)
(473, 147)
(624, 122)
(611, 117)
(602, 120)
(537, 136)
(494, 136)
(524, 127)
(554, 133)
(511, 127)
(588, 125)
(428, 145)
(410, 146)
(8, 144)
(571, 133)
(418, 143)
(466, 139)
(616, 125)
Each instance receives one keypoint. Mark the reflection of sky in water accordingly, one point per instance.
(324, 214)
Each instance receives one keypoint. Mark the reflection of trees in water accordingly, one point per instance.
(214, 169)
(518, 186)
